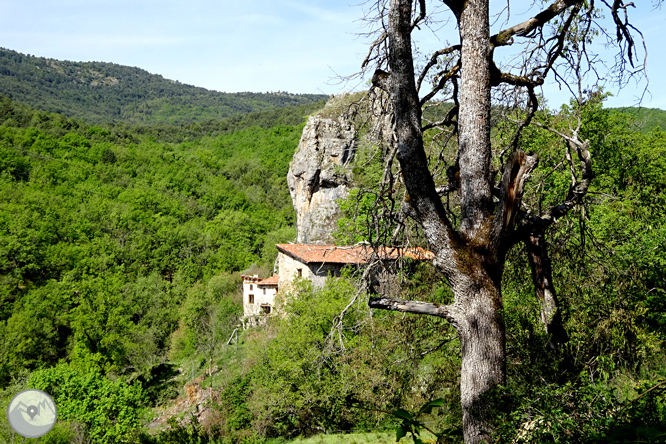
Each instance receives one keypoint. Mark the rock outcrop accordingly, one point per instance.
(320, 173)
(319, 176)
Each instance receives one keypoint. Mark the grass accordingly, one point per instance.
(351, 438)
(387, 437)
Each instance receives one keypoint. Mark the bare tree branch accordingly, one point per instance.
(533, 105)
(525, 28)
(544, 289)
(516, 172)
(369, 57)
(433, 61)
(577, 189)
(623, 27)
(440, 85)
(448, 312)
(421, 190)
(448, 120)
(422, 14)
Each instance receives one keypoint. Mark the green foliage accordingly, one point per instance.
(177, 433)
(208, 317)
(605, 255)
(314, 370)
(359, 221)
(412, 424)
(291, 116)
(120, 248)
(582, 412)
(356, 224)
(297, 385)
(104, 92)
(103, 235)
(108, 409)
(645, 120)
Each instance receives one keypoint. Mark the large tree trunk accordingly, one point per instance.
(481, 331)
(474, 149)
(477, 317)
(482, 340)
(466, 257)
(471, 257)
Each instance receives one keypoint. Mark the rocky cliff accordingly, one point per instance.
(320, 173)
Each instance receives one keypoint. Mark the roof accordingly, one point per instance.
(357, 254)
(270, 282)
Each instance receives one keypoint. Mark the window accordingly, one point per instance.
(250, 287)
(264, 291)
(266, 309)
(300, 272)
(250, 298)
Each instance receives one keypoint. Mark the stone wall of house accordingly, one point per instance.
(315, 272)
(320, 272)
(289, 267)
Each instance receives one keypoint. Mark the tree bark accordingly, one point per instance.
(482, 340)
(472, 257)
(544, 290)
(465, 257)
(474, 148)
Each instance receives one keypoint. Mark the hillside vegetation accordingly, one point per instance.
(105, 232)
(645, 119)
(121, 247)
(103, 92)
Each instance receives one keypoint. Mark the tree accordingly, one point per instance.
(471, 243)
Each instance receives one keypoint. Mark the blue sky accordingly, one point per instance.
(251, 45)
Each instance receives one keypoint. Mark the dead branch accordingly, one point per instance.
(369, 57)
(524, 29)
(516, 172)
(442, 82)
(448, 312)
(422, 14)
(433, 61)
(577, 189)
(533, 105)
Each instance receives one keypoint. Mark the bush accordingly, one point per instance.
(109, 410)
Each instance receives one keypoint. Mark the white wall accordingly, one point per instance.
(263, 294)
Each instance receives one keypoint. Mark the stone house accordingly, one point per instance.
(259, 295)
(316, 263)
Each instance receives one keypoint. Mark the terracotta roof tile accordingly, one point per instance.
(358, 254)
(271, 281)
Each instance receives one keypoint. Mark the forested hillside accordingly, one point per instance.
(121, 247)
(646, 119)
(105, 232)
(103, 92)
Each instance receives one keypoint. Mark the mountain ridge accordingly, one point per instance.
(101, 92)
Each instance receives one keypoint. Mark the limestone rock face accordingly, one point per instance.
(319, 176)
(320, 173)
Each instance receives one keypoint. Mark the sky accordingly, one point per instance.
(299, 46)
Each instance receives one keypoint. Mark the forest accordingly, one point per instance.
(103, 92)
(121, 248)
